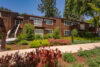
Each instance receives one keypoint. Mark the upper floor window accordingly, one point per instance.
(37, 23)
(67, 32)
(32, 18)
(49, 22)
(18, 22)
(0, 14)
(82, 26)
(67, 23)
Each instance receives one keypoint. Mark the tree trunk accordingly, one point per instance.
(3, 44)
(72, 38)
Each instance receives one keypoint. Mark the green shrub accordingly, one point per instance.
(21, 37)
(69, 57)
(45, 43)
(86, 34)
(28, 30)
(38, 37)
(56, 33)
(85, 53)
(35, 44)
(23, 42)
(47, 36)
(93, 62)
(0, 36)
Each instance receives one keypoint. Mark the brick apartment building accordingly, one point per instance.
(14, 24)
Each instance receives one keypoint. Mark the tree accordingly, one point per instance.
(79, 9)
(49, 8)
(3, 33)
(56, 33)
(28, 30)
(74, 33)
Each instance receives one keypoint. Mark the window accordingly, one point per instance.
(82, 27)
(50, 31)
(49, 22)
(37, 23)
(67, 23)
(17, 22)
(0, 14)
(32, 18)
(67, 32)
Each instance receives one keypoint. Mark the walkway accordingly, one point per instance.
(67, 48)
(9, 40)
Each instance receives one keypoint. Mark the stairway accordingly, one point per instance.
(13, 32)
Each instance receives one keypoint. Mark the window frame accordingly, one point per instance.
(67, 21)
(67, 34)
(49, 20)
(49, 30)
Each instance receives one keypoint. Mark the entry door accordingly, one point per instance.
(39, 31)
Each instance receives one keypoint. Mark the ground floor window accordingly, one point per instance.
(50, 31)
(67, 32)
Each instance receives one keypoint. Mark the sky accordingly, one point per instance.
(28, 6)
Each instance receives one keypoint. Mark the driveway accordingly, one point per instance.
(66, 48)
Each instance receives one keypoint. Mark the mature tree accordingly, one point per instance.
(49, 8)
(79, 9)
(3, 33)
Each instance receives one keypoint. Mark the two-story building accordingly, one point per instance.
(14, 24)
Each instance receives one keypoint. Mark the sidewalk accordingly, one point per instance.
(66, 48)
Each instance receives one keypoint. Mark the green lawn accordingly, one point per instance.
(82, 40)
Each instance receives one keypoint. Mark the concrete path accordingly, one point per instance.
(9, 40)
(66, 48)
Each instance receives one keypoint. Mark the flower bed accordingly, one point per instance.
(40, 58)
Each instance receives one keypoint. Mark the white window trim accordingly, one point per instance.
(50, 24)
(65, 31)
(65, 22)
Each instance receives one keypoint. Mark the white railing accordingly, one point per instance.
(15, 34)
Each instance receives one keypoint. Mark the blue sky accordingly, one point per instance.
(28, 6)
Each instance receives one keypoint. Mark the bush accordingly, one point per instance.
(23, 42)
(28, 30)
(74, 32)
(35, 44)
(69, 57)
(21, 37)
(93, 62)
(45, 43)
(47, 36)
(38, 37)
(56, 33)
(86, 34)
(63, 41)
(85, 53)
(77, 65)
(52, 41)
(38, 58)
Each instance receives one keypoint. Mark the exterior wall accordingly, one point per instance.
(10, 17)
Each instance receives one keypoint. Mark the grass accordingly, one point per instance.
(89, 53)
(83, 40)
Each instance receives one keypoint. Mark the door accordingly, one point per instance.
(39, 31)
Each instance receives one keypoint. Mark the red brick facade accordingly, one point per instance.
(11, 17)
